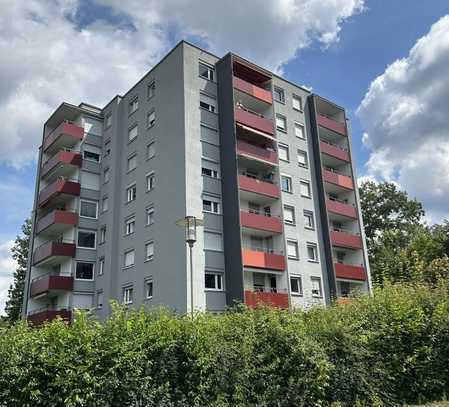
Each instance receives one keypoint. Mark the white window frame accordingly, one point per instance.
(125, 266)
(295, 243)
(102, 235)
(93, 270)
(90, 159)
(290, 183)
(281, 92)
(299, 99)
(303, 183)
(284, 120)
(291, 209)
(91, 202)
(101, 263)
(108, 120)
(300, 292)
(215, 204)
(150, 176)
(301, 126)
(149, 145)
(104, 207)
(147, 282)
(147, 245)
(89, 231)
(130, 225)
(106, 175)
(306, 158)
(130, 130)
(218, 277)
(286, 149)
(309, 214)
(151, 89)
(210, 71)
(151, 122)
(320, 293)
(149, 215)
(207, 106)
(128, 294)
(130, 194)
(314, 247)
(221, 240)
(133, 156)
(133, 105)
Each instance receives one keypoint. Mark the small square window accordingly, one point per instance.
(308, 220)
(149, 289)
(292, 249)
(91, 156)
(149, 251)
(297, 102)
(88, 209)
(151, 119)
(312, 252)
(151, 181)
(302, 159)
(84, 271)
(289, 215)
(206, 72)
(101, 266)
(211, 206)
(133, 132)
(130, 226)
(213, 281)
(207, 106)
(151, 150)
(150, 215)
(131, 163)
(128, 260)
(151, 90)
(279, 94)
(133, 105)
(131, 193)
(127, 295)
(305, 189)
(299, 131)
(209, 172)
(283, 152)
(281, 122)
(296, 285)
(316, 287)
(86, 239)
(286, 183)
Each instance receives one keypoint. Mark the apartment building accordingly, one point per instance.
(265, 163)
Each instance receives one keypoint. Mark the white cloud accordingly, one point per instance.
(7, 267)
(405, 114)
(48, 58)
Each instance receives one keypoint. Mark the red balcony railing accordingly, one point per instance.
(42, 315)
(260, 222)
(254, 121)
(62, 158)
(253, 90)
(334, 151)
(331, 124)
(58, 187)
(341, 208)
(65, 135)
(346, 239)
(256, 299)
(48, 283)
(56, 221)
(338, 179)
(258, 153)
(350, 272)
(53, 249)
(259, 187)
(263, 260)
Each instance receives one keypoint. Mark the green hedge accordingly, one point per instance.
(386, 350)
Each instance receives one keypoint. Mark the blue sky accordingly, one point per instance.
(79, 50)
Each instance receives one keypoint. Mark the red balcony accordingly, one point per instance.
(40, 316)
(338, 179)
(49, 283)
(350, 272)
(345, 239)
(258, 153)
(256, 299)
(341, 208)
(331, 124)
(263, 260)
(259, 187)
(65, 135)
(334, 151)
(260, 222)
(58, 188)
(61, 163)
(56, 222)
(53, 252)
(254, 121)
(253, 90)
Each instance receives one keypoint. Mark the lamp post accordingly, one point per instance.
(190, 223)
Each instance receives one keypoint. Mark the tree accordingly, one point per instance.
(19, 251)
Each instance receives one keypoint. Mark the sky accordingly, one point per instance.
(385, 61)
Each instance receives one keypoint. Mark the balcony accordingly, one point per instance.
(61, 163)
(256, 299)
(65, 135)
(347, 271)
(259, 187)
(53, 252)
(340, 180)
(260, 222)
(263, 260)
(258, 153)
(331, 124)
(254, 121)
(42, 315)
(56, 222)
(345, 239)
(334, 151)
(341, 208)
(50, 284)
(60, 189)
(253, 90)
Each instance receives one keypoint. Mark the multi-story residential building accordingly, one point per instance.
(264, 162)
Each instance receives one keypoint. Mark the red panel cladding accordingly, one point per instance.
(51, 249)
(73, 131)
(341, 180)
(259, 187)
(331, 124)
(260, 222)
(262, 260)
(39, 318)
(56, 217)
(254, 121)
(50, 283)
(341, 209)
(60, 186)
(258, 299)
(253, 90)
(350, 272)
(344, 239)
(334, 151)
(247, 149)
(61, 158)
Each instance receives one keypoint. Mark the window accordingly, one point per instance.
(308, 220)
(129, 258)
(213, 241)
(149, 289)
(106, 175)
(131, 193)
(151, 150)
(108, 120)
(103, 234)
(151, 90)
(289, 214)
(133, 105)
(132, 163)
(133, 132)
(127, 295)
(107, 148)
(206, 72)
(211, 205)
(213, 281)
(316, 287)
(312, 252)
(151, 181)
(207, 106)
(302, 159)
(100, 299)
(101, 266)
(105, 204)
(283, 152)
(130, 226)
(151, 119)
(149, 251)
(84, 271)
(88, 209)
(296, 285)
(209, 170)
(86, 239)
(286, 183)
(304, 187)
(292, 249)
(150, 215)
(299, 131)
(297, 102)
(279, 94)
(281, 122)
(91, 156)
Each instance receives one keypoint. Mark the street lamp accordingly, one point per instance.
(190, 223)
